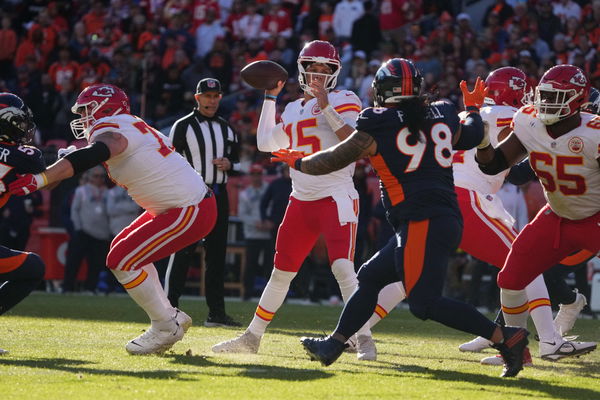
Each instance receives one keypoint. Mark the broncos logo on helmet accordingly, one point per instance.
(16, 120)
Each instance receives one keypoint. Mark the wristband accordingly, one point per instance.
(334, 119)
(270, 97)
(41, 179)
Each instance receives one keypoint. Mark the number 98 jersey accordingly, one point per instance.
(415, 176)
(155, 176)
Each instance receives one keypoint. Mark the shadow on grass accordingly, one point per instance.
(83, 367)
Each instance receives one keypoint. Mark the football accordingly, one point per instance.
(263, 74)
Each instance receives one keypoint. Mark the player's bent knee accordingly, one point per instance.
(280, 278)
(419, 309)
(124, 277)
(510, 281)
(343, 270)
(35, 266)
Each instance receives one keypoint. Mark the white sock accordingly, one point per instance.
(145, 289)
(343, 270)
(271, 299)
(540, 309)
(515, 307)
(389, 297)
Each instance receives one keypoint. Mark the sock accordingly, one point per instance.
(271, 299)
(515, 307)
(145, 289)
(389, 297)
(540, 310)
(343, 270)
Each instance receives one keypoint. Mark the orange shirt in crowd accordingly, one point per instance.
(93, 22)
(61, 74)
(8, 44)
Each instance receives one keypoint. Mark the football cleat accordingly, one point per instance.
(476, 345)
(511, 349)
(560, 348)
(568, 313)
(222, 320)
(325, 350)
(498, 360)
(3, 352)
(247, 342)
(155, 341)
(351, 344)
(366, 349)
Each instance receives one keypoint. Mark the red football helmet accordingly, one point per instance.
(506, 86)
(318, 51)
(95, 102)
(562, 90)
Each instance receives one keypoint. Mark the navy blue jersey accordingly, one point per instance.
(17, 159)
(415, 176)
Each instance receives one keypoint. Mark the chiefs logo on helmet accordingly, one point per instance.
(579, 79)
(104, 91)
(516, 83)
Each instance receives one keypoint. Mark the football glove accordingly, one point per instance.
(287, 156)
(474, 98)
(27, 183)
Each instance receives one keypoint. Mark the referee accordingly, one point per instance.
(210, 145)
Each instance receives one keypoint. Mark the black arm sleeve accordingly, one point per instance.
(88, 157)
(496, 165)
(521, 173)
(471, 133)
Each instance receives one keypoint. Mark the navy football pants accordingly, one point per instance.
(20, 273)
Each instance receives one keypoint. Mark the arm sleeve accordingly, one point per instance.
(269, 136)
(471, 132)
(521, 173)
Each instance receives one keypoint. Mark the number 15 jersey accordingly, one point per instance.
(155, 176)
(415, 176)
(567, 166)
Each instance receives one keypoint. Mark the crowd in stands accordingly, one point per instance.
(157, 50)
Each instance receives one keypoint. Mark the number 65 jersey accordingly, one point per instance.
(415, 176)
(155, 176)
(567, 166)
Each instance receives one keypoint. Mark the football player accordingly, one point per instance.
(20, 271)
(410, 145)
(563, 145)
(325, 205)
(179, 208)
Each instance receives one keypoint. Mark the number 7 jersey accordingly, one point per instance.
(566, 166)
(155, 176)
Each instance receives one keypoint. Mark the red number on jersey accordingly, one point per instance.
(568, 184)
(143, 127)
(304, 140)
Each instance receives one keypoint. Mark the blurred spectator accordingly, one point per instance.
(366, 34)
(64, 70)
(92, 71)
(32, 48)
(250, 23)
(565, 9)
(207, 32)
(91, 235)
(344, 15)
(44, 104)
(548, 24)
(430, 63)
(94, 20)
(275, 200)
(8, 47)
(257, 233)
(276, 22)
(501, 9)
(325, 20)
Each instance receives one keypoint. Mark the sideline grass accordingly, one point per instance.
(72, 347)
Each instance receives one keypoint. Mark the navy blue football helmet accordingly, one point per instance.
(395, 80)
(16, 120)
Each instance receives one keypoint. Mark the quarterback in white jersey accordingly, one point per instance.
(563, 147)
(319, 205)
(180, 210)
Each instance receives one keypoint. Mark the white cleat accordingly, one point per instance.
(476, 345)
(568, 313)
(351, 344)
(498, 360)
(3, 352)
(247, 342)
(560, 348)
(155, 341)
(365, 348)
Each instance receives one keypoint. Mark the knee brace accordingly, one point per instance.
(343, 271)
(281, 279)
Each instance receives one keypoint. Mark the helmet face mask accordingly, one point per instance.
(16, 120)
(95, 102)
(318, 52)
(561, 93)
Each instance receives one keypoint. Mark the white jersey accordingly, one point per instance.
(467, 174)
(566, 166)
(155, 176)
(309, 132)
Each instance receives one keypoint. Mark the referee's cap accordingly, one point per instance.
(208, 85)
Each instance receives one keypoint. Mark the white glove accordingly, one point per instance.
(63, 152)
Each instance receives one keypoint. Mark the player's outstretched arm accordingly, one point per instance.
(355, 147)
(492, 160)
(269, 135)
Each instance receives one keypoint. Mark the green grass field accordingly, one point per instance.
(72, 347)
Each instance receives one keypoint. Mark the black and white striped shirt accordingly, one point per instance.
(200, 140)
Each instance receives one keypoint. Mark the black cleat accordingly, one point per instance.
(511, 349)
(325, 350)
